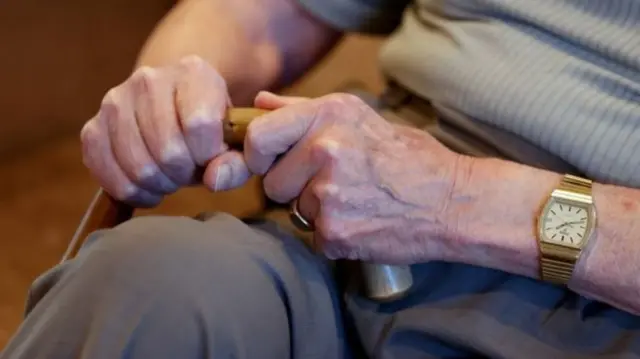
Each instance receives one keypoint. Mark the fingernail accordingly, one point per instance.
(144, 199)
(223, 178)
(151, 177)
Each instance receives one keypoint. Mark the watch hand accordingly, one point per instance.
(568, 224)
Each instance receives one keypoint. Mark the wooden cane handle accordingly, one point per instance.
(235, 125)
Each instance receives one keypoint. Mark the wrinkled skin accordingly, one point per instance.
(374, 190)
(156, 130)
(368, 186)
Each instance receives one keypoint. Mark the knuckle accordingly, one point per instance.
(145, 77)
(324, 149)
(251, 135)
(144, 172)
(333, 253)
(88, 161)
(193, 62)
(174, 153)
(144, 73)
(125, 191)
(150, 177)
(270, 187)
(345, 100)
(352, 255)
(327, 194)
(176, 162)
(330, 232)
(323, 229)
(253, 139)
(110, 99)
(147, 86)
(88, 133)
(111, 106)
(319, 149)
(343, 106)
(349, 99)
(340, 235)
(319, 192)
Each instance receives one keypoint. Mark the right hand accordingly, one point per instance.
(158, 130)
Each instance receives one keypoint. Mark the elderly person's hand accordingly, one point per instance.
(158, 130)
(373, 190)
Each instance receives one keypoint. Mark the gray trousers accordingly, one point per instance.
(173, 287)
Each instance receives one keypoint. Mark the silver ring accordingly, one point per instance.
(298, 219)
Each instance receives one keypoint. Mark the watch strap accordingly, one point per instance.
(557, 263)
(577, 185)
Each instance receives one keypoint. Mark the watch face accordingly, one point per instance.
(565, 223)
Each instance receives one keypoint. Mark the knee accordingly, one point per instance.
(168, 254)
(165, 240)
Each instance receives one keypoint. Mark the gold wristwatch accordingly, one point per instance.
(565, 225)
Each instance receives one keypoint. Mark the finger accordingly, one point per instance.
(269, 101)
(309, 203)
(201, 102)
(309, 207)
(226, 172)
(128, 146)
(335, 252)
(322, 241)
(291, 173)
(98, 157)
(274, 133)
(317, 202)
(327, 243)
(159, 126)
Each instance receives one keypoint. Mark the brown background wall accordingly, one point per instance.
(57, 57)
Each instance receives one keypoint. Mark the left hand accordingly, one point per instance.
(374, 191)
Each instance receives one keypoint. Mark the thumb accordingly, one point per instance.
(269, 101)
(225, 172)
